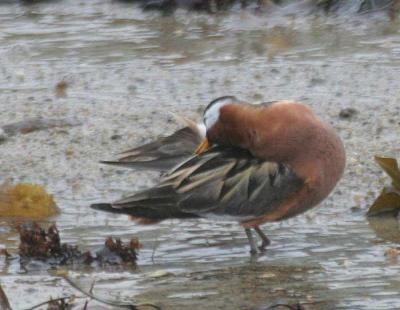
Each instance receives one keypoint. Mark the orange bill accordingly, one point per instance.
(202, 146)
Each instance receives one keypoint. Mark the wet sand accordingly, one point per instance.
(125, 71)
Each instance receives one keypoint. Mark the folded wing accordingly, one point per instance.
(161, 154)
(219, 182)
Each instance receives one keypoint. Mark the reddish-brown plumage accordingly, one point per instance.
(290, 133)
(265, 163)
(144, 220)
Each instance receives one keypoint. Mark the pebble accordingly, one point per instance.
(115, 137)
(347, 113)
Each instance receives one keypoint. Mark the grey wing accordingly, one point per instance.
(221, 181)
(161, 154)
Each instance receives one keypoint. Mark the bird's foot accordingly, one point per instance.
(263, 246)
(253, 245)
(264, 239)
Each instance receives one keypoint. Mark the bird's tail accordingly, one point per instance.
(107, 207)
(151, 205)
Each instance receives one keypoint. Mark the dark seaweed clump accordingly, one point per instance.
(38, 244)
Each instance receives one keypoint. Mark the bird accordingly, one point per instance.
(244, 162)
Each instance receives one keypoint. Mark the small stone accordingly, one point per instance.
(355, 209)
(115, 137)
(347, 113)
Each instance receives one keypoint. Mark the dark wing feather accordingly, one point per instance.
(242, 186)
(220, 181)
(161, 154)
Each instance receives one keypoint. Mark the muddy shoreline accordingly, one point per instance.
(126, 69)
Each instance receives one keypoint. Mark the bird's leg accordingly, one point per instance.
(264, 239)
(253, 245)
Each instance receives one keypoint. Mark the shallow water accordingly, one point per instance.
(126, 69)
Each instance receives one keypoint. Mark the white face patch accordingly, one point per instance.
(202, 129)
(211, 114)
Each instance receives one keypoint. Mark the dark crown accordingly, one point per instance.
(219, 99)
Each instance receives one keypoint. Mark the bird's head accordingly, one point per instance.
(211, 116)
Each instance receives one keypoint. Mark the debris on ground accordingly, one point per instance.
(71, 301)
(347, 113)
(116, 304)
(38, 244)
(26, 200)
(389, 199)
(64, 303)
(115, 252)
(36, 123)
(61, 89)
(392, 252)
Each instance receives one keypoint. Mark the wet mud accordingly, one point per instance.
(125, 70)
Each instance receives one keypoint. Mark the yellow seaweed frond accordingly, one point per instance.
(25, 200)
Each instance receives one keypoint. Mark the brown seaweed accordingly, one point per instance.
(26, 200)
(60, 89)
(37, 243)
(389, 199)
